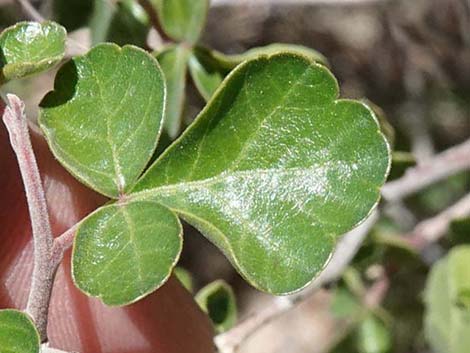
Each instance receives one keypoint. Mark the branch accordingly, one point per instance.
(30, 11)
(443, 165)
(43, 275)
(62, 243)
(154, 20)
(434, 228)
(229, 341)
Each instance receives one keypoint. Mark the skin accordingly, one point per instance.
(167, 321)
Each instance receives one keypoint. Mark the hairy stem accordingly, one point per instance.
(62, 243)
(43, 274)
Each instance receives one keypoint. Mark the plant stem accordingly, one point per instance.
(432, 229)
(62, 243)
(43, 273)
(154, 20)
(441, 166)
(30, 11)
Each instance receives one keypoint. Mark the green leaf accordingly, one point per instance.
(218, 301)
(373, 336)
(125, 251)
(209, 67)
(274, 169)
(460, 231)
(173, 61)
(30, 47)
(103, 119)
(17, 333)
(123, 22)
(401, 161)
(385, 126)
(447, 298)
(206, 74)
(182, 20)
(272, 49)
(345, 305)
(185, 277)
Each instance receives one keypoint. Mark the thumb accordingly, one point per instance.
(167, 321)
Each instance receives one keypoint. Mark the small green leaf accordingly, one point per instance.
(401, 161)
(103, 119)
(125, 251)
(121, 22)
(206, 74)
(183, 20)
(218, 301)
(30, 47)
(345, 305)
(173, 61)
(447, 298)
(18, 333)
(185, 277)
(274, 169)
(209, 67)
(373, 336)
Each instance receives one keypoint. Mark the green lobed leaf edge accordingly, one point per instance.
(207, 225)
(49, 139)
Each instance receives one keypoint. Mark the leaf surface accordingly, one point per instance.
(182, 20)
(274, 169)
(17, 333)
(123, 252)
(173, 62)
(103, 119)
(209, 67)
(30, 47)
(122, 22)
